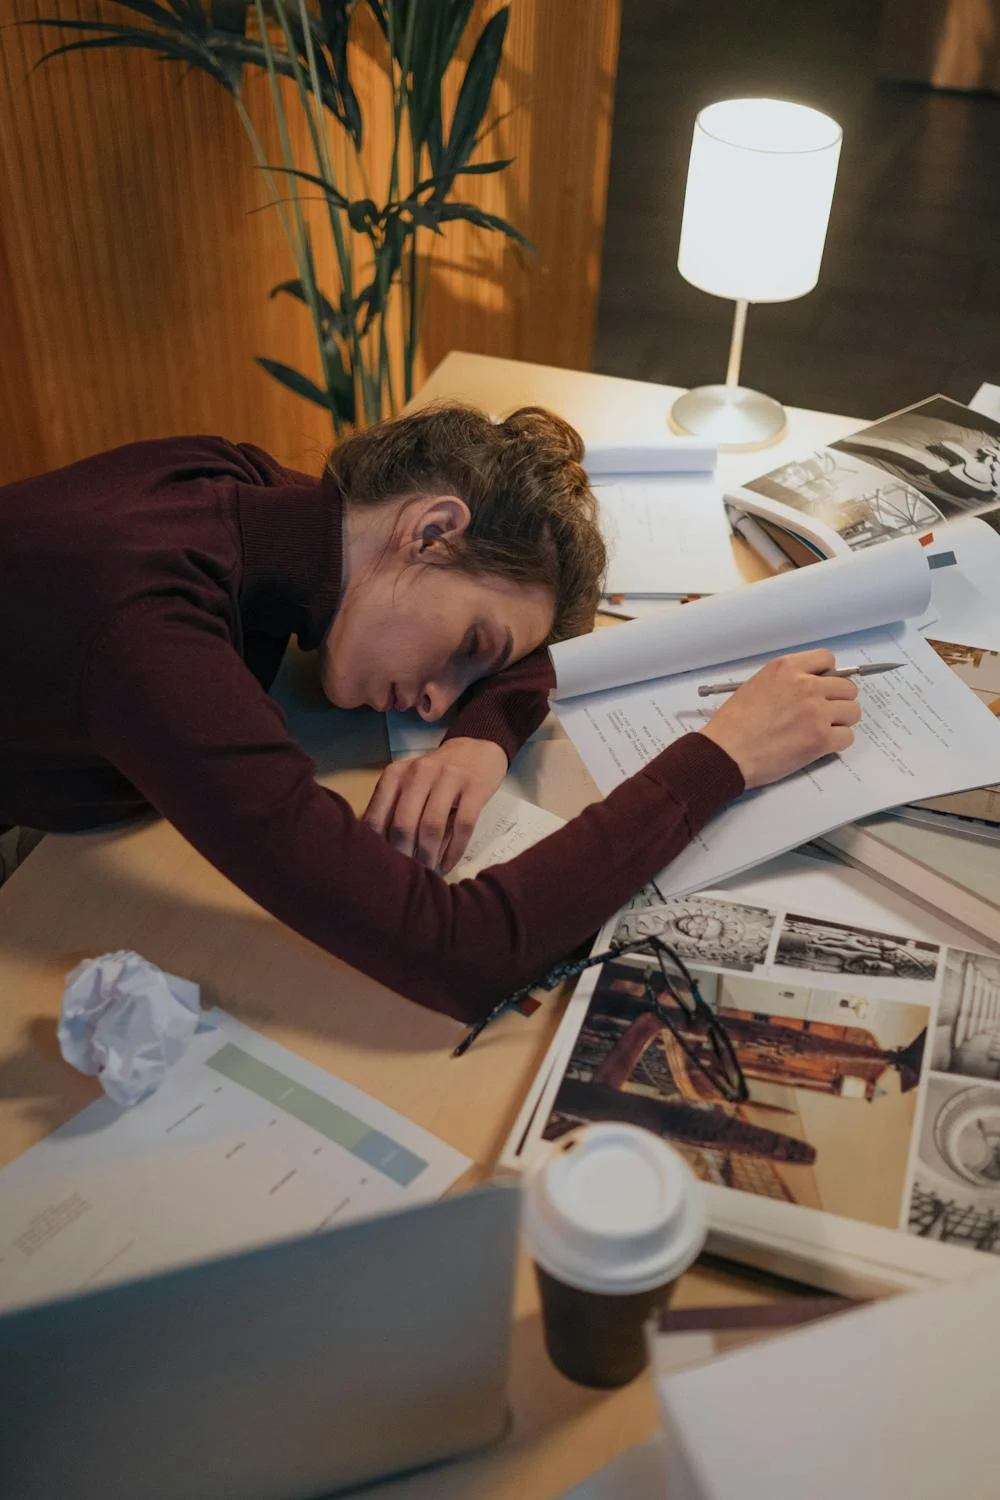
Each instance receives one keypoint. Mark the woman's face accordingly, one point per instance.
(413, 631)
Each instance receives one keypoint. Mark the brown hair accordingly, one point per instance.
(533, 514)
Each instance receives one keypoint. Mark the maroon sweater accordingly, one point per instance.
(146, 599)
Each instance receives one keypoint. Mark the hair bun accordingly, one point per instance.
(535, 422)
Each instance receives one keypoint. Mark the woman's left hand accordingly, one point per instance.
(428, 806)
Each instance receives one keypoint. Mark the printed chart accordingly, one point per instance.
(244, 1143)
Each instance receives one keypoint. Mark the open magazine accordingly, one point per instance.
(867, 1156)
(624, 694)
(905, 475)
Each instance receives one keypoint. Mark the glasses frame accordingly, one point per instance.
(729, 1080)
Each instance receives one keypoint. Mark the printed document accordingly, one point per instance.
(923, 733)
(243, 1143)
(666, 534)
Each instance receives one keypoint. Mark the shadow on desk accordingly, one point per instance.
(129, 888)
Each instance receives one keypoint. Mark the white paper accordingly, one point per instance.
(666, 535)
(411, 735)
(126, 1022)
(869, 589)
(922, 734)
(987, 400)
(507, 826)
(662, 455)
(964, 601)
(244, 1143)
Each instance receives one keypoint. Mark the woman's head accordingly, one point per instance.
(468, 544)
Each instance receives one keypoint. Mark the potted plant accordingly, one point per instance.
(304, 49)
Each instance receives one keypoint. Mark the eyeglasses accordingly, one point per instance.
(668, 986)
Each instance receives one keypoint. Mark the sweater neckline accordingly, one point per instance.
(293, 556)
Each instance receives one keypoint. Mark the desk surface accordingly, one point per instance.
(144, 887)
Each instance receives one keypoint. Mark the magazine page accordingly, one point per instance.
(907, 474)
(979, 669)
(871, 1060)
(778, 614)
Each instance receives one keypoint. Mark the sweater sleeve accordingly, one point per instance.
(175, 709)
(507, 707)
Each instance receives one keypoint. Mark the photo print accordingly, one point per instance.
(948, 452)
(979, 669)
(832, 1083)
(854, 498)
(838, 948)
(703, 930)
(956, 1187)
(967, 1030)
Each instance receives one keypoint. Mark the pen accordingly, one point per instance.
(758, 540)
(868, 669)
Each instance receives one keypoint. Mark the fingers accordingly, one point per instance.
(464, 820)
(816, 661)
(837, 687)
(844, 711)
(840, 740)
(383, 799)
(410, 829)
(432, 820)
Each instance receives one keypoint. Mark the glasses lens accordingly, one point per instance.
(677, 983)
(700, 1031)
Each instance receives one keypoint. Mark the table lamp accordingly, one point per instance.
(759, 189)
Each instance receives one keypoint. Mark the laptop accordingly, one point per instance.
(291, 1371)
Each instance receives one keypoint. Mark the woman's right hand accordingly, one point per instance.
(786, 716)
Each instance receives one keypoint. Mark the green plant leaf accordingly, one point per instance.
(480, 169)
(296, 289)
(471, 214)
(342, 399)
(363, 215)
(189, 12)
(477, 86)
(335, 17)
(329, 190)
(166, 47)
(294, 380)
(424, 214)
(378, 11)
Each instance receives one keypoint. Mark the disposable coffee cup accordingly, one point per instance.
(610, 1218)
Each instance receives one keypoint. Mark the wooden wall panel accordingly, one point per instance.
(134, 278)
(950, 44)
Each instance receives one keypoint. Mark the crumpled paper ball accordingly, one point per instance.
(126, 1022)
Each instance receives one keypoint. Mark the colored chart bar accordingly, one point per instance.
(322, 1115)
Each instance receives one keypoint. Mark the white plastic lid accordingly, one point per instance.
(616, 1211)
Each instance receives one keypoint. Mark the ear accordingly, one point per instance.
(431, 526)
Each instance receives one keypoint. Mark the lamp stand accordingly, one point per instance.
(730, 414)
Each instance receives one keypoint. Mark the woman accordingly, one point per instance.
(148, 596)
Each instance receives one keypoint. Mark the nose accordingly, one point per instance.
(435, 700)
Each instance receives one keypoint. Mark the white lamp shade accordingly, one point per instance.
(759, 190)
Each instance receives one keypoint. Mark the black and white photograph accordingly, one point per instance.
(948, 452)
(855, 498)
(956, 1187)
(839, 948)
(967, 1032)
(703, 930)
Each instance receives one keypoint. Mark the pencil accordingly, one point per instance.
(867, 669)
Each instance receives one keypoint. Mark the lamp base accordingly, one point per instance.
(731, 415)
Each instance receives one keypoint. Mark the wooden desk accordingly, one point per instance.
(144, 887)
